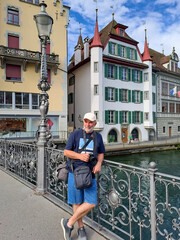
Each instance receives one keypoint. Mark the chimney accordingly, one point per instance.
(86, 47)
(77, 54)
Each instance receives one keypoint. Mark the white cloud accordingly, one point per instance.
(160, 21)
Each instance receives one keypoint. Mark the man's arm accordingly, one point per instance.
(97, 167)
(74, 155)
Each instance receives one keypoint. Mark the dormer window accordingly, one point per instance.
(121, 32)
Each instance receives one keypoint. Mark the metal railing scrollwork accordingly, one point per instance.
(133, 203)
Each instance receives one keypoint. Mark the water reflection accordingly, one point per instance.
(167, 161)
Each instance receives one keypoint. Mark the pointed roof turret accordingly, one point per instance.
(80, 41)
(96, 40)
(146, 55)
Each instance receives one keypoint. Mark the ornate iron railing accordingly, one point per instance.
(133, 203)
(19, 159)
(27, 54)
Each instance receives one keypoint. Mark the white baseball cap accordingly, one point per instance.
(90, 116)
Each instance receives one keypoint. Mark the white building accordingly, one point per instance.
(109, 76)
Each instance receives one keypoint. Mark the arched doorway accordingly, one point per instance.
(112, 136)
(151, 135)
(135, 134)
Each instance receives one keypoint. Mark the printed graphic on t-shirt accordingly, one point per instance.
(89, 148)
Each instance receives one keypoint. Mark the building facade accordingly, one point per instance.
(20, 54)
(168, 93)
(109, 76)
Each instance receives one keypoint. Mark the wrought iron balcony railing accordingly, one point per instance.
(7, 53)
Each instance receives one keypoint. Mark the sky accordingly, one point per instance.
(161, 18)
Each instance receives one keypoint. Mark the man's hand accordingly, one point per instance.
(84, 157)
(97, 168)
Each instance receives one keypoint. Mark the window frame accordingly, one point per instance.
(111, 117)
(137, 117)
(124, 95)
(96, 89)
(137, 96)
(12, 13)
(125, 117)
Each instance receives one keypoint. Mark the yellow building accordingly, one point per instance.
(20, 51)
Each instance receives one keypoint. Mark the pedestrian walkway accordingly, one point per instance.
(27, 216)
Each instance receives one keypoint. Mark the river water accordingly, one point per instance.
(167, 161)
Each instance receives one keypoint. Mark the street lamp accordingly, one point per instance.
(44, 25)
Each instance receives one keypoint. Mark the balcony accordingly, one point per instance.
(26, 56)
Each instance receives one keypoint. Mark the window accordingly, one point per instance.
(72, 117)
(146, 77)
(164, 107)
(111, 117)
(13, 16)
(137, 117)
(178, 128)
(146, 95)
(35, 101)
(124, 95)
(171, 86)
(132, 53)
(70, 98)
(177, 108)
(176, 67)
(111, 94)
(137, 96)
(113, 48)
(164, 129)
(96, 67)
(22, 100)
(136, 76)
(124, 117)
(5, 100)
(122, 51)
(146, 116)
(97, 115)
(72, 81)
(13, 41)
(13, 72)
(121, 32)
(29, 1)
(124, 74)
(172, 107)
(37, 2)
(164, 88)
(172, 66)
(96, 89)
(49, 76)
(111, 71)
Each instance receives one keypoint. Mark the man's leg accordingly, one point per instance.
(80, 222)
(80, 212)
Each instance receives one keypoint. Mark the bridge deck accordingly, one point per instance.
(27, 216)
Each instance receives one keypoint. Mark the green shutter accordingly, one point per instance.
(116, 94)
(135, 54)
(141, 96)
(120, 95)
(154, 98)
(120, 73)
(129, 117)
(116, 117)
(133, 117)
(133, 96)
(129, 74)
(120, 117)
(109, 47)
(115, 72)
(119, 49)
(106, 70)
(133, 75)
(141, 78)
(129, 95)
(154, 117)
(127, 52)
(141, 117)
(106, 93)
(154, 79)
(106, 116)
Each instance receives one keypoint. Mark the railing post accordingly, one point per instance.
(152, 171)
(5, 154)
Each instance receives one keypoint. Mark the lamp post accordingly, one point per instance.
(44, 25)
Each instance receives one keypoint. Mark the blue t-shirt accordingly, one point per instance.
(76, 142)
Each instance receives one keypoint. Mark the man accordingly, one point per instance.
(82, 200)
